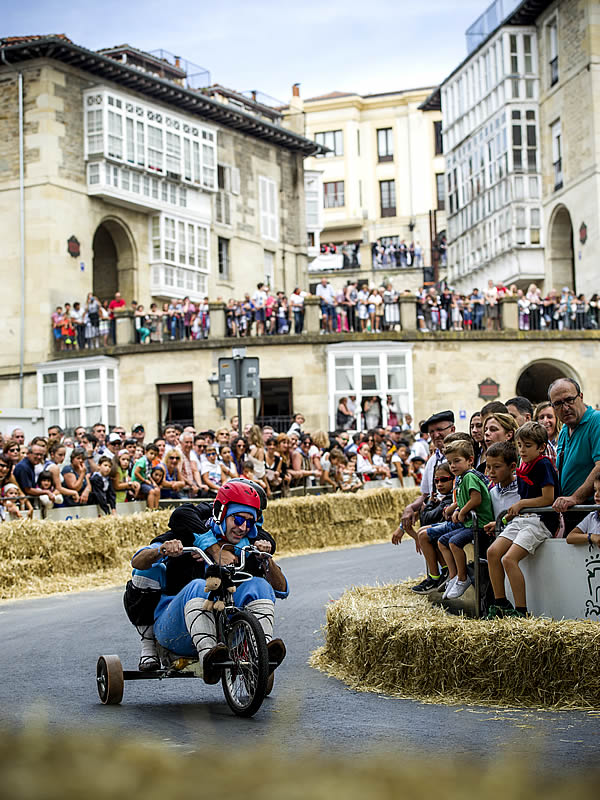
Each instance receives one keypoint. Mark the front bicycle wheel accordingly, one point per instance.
(245, 682)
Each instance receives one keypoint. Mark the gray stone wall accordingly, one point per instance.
(71, 144)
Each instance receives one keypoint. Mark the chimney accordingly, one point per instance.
(296, 90)
(253, 93)
(178, 61)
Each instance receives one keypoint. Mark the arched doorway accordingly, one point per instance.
(561, 257)
(113, 264)
(535, 379)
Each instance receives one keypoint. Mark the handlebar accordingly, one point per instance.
(239, 570)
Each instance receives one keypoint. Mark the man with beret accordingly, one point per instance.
(438, 426)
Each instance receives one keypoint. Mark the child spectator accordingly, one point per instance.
(212, 476)
(415, 469)
(538, 486)
(471, 495)
(500, 466)
(45, 481)
(142, 474)
(432, 513)
(379, 462)
(125, 488)
(588, 529)
(14, 503)
(250, 475)
(103, 494)
(331, 472)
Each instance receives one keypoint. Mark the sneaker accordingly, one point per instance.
(458, 589)
(498, 612)
(449, 584)
(440, 583)
(512, 612)
(426, 586)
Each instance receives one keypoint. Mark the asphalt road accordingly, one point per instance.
(50, 647)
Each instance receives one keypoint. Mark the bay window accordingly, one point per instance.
(367, 372)
(79, 391)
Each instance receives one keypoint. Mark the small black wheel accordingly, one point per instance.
(109, 678)
(245, 683)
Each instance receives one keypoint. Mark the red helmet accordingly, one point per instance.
(236, 492)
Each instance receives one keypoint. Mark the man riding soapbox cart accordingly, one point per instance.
(202, 598)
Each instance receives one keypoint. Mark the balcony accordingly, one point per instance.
(174, 281)
(134, 189)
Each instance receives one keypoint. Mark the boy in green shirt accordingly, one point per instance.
(471, 494)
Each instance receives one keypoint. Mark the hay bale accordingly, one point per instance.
(59, 765)
(43, 556)
(387, 639)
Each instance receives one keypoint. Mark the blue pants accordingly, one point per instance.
(170, 629)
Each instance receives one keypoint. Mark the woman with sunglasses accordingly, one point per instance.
(173, 482)
(6, 475)
(12, 452)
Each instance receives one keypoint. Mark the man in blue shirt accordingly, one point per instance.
(24, 471)
(578, 446)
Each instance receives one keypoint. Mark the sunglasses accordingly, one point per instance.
(173, 458)
(211, 452)
(241, 521)
(443, 480)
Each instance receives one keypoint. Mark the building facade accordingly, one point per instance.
(382, 177)
(527, 88)
(117, 175)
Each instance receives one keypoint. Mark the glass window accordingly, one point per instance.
(344, 374)
(155, 148)
(333, 194)
(115, 135)
(397, 372)
(369, 373)
(385, 144)
(334, 140)
(50, 390)
(94, 131)
(387, 193)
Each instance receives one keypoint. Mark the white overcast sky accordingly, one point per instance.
(346, 45)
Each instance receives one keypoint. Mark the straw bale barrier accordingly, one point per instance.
(387, 639)
(56, 765)
(40, 557)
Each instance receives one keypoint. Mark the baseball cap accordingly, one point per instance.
(396, 429)
(137, 427)
(114, 438)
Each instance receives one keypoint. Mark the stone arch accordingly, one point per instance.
(536, 377)
(560, 251)
(114, 260)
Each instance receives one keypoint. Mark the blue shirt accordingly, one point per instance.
(578, 452)
(24, 474)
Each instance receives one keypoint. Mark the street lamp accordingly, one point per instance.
(213, 383)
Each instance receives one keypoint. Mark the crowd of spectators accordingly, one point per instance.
(562, 310)
(102, 468)
(92, 325)
(513, 459)
(354, 307)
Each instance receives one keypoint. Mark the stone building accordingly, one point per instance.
(98, 219)
(521, 148)
(382, 177)
(132, 179)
